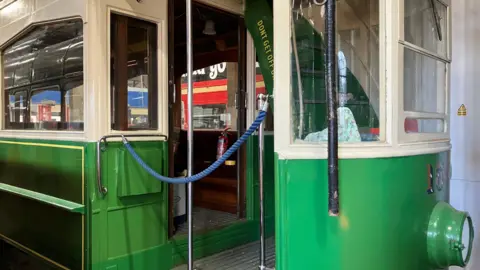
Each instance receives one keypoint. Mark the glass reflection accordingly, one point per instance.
(39, 71)
(358, 72)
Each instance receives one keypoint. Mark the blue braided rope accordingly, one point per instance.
(261, 116)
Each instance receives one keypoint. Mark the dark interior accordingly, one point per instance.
(218, 191)
(207, 50)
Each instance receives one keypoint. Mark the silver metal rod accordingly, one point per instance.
(101, 188)
(190, 131)
(261, 191)
(299, 79)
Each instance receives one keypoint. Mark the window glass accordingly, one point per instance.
(210, 116)
(425, 68)
(16, 109)
(214, 90)
(416, 125)
(74, 104)
(426, 26)
(45, 108)
(424, 83)
(41, 69)
(358, 72)
(134, 86)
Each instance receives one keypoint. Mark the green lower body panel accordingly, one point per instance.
(214, 241)
(158, 258)
(50, 206)
(42, 200)
(391, 215)
(40, 228)
(385, 208)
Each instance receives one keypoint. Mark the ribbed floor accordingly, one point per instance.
(205, 219)
(244, 257)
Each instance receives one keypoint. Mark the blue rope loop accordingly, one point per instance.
(261, 116)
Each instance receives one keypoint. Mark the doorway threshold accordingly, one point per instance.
(206, 219)
(245, 257)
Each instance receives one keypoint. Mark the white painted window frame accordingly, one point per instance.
(162, 77)
(284, 144)
(6, 3)
(423, 137)
(162, 63)
(392, 133)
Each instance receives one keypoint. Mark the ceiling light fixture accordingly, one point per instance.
(209, 28)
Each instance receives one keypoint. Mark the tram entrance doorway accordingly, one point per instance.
(218, 107)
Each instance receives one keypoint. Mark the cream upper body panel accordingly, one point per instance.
(17, 15)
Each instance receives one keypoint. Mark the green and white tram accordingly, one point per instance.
(345, 165)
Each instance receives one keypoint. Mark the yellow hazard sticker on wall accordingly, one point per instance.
(462, 111)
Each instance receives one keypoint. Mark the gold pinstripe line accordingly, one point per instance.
(44, 145)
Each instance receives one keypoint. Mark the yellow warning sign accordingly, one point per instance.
(462, 111)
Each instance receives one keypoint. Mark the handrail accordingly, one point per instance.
(101, 188)
(44, 198)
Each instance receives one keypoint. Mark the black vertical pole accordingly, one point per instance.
(331, 86)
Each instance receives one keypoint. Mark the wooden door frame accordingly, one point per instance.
(242, 116)
(172, 140)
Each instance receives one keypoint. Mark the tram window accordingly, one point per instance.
(214, 89)
(421, 26)
(74, 103)
(133, 74)
(358, 72)
(45, 108)
(424, 83)
(425, 65)
(16, 109)
(40, 68)
(415, 125)
(212, 116)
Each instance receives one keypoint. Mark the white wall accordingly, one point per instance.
(465, 131)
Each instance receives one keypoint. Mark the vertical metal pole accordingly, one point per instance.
(190, 131)
(241, 109)
(331, 85)
(261, 191)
